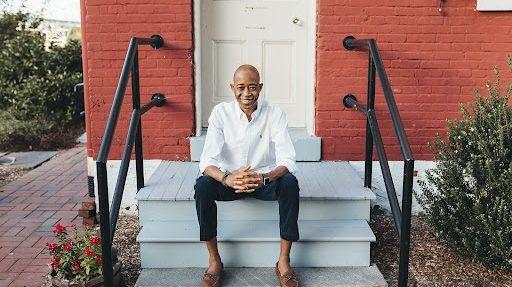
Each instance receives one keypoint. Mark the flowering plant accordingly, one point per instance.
(76, 253)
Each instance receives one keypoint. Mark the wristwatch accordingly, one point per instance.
(266, 179)
(224, 177)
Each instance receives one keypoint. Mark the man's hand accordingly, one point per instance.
(244, 180)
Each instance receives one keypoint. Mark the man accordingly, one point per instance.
(247, 152)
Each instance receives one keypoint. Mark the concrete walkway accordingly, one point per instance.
(30, 207)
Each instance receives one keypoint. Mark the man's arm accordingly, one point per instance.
(285, 152)
(277, 172)
(213, 143)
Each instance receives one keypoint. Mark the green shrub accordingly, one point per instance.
(468, 195)
(36, 84)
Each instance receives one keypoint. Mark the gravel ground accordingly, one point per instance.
(129, 250)
(9, 174)
(431, 263)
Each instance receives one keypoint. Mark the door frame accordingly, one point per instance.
(310, 73)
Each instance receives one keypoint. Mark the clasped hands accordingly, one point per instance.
(244, 180)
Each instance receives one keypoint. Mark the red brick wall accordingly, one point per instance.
(107, 26)
(434, 61)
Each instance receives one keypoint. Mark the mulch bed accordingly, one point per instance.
(129, 250)
(9, 174)
(431, 263)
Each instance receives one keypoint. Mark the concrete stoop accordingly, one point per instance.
(329, 276)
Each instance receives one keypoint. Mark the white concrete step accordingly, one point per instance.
(253, 209)
(256, 243)
(256, 277)
(307, 147)
(329, 191)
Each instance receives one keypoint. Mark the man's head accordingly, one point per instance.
(246, 86)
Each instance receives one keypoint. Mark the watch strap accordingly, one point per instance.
(266, 179)
(224, 177)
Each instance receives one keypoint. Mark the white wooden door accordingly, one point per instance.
(270, 35)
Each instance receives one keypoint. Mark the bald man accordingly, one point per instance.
(247, 152)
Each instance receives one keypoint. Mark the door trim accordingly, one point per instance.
(310, 76)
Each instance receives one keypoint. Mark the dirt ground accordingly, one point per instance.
(431, 263)
(9, 174)
(129, 250)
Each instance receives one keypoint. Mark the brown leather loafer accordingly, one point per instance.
(288, 279)
(211, 280)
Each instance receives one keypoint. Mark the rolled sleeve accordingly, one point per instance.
(285, 152)
(213, 143)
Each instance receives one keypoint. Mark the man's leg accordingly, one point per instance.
(207, 190)
(288, 198)
(286, 190)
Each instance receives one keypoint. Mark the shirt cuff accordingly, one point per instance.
(290, 165)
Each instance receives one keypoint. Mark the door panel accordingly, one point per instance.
(270, 35)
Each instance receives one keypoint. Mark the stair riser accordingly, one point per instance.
(255, 254)
(159, 210)
(307, 148)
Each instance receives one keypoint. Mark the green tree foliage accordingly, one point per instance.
(468, 195)
(36, 84)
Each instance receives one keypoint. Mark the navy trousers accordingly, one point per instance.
(285, 190)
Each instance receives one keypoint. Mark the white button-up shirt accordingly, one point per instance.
(233, 142)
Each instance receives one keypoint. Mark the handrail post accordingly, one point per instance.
(139, 160)
(106, 242)
(123, 171)
(405, 234)
(402, 217)
(368, 164)
(108, 219)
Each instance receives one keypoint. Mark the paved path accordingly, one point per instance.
(30, 207)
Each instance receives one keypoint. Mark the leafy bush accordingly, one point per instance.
(37, 100)
(468, 195)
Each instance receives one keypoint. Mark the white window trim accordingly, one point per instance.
(494, 5)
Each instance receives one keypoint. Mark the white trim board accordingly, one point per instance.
(311, 73)
(494, 5)
(128, 203)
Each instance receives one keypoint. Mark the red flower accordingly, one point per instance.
(53, 247)
(59, 229)
(67, 247)
(75, 266)
(88, 251)
(86, 224)
(54, 262)
(95, 240)
(99, 259)
(73, 225)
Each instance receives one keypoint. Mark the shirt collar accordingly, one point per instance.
(255, 114)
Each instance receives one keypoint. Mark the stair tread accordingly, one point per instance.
(257, 230)
(323, 276)
(325, 180)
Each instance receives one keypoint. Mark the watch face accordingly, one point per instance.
(265, 180)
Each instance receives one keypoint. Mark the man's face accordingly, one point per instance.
(246, 88)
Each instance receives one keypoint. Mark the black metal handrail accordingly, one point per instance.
(108, 220)
(401, 217)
